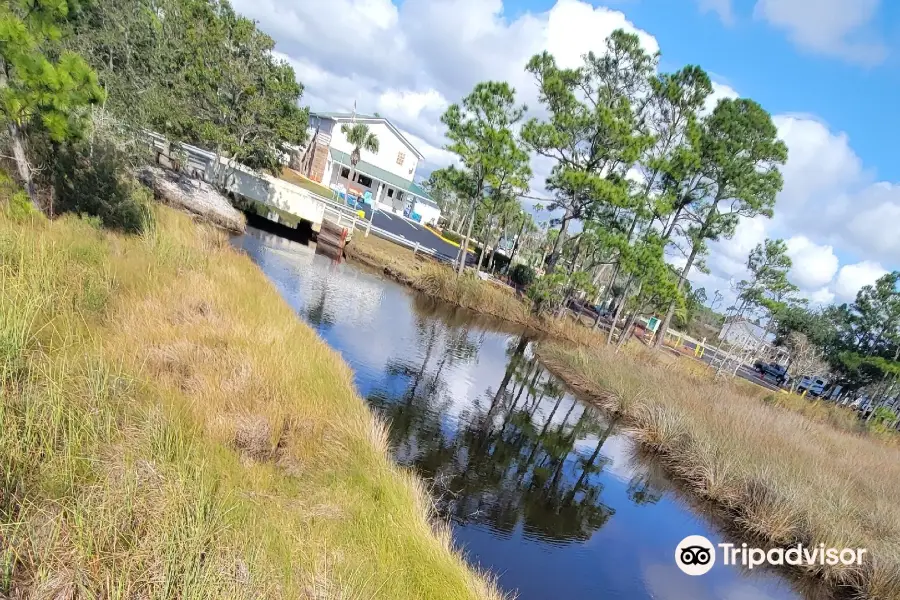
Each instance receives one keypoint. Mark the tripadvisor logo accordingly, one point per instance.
(696, 555)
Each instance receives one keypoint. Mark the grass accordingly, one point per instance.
(781, 468)
(440, 281)
(170, 429)
(292, 176)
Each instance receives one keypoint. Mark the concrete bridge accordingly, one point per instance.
(270, 197)
(283, 202)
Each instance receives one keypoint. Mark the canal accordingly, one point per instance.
(540, 488)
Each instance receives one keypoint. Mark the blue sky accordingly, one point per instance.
(825, 69)
(761, 62)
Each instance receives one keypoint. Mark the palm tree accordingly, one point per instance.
(361, 138)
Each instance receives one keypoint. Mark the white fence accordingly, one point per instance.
(241, 180)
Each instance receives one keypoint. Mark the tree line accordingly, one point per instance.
(641, 170)
(79, 82)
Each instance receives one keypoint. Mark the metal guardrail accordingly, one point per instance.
(348, 217)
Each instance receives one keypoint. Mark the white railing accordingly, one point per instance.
(416, 247)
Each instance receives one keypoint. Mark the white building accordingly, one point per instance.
(742, 333)
(385, 178)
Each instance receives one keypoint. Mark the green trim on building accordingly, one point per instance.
(380, 174)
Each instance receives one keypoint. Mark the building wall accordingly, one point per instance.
(430, 214)
(389, 146)
(741, 333)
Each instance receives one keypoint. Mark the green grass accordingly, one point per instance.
(169, 428)
(780, 471)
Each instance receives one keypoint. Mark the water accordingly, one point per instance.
(540, 488)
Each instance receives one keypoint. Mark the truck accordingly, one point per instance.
(773, 370)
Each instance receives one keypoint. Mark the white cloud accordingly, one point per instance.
(874, 216)
(831, 209)
(721, 91)
(412, 104)
(837, 28)
(813, 265)
(853, 277)
(822, 296)
(408, 62)
(829, 196)
(722, 8)
(728, 258)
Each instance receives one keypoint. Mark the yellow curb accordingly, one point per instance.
(451, 242)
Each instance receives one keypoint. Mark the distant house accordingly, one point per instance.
(385, 178)
(738, 331)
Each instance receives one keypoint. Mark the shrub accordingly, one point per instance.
(452, 236)
(14, 201)
(547, 292)
(522, 274)
(95, 180)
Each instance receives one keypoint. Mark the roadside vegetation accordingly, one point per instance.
(468, 291)
(781, 476)
(169, 428)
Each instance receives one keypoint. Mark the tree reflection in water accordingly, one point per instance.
(509, 459)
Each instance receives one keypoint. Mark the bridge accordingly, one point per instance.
(283, 202)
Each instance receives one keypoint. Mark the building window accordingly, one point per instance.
(390, 192)
(363, 180)
(401, 156)
(345, 173)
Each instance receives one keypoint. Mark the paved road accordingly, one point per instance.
(748, 373)
(415, 232)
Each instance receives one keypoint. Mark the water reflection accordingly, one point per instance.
(540, 488)
(501, 464)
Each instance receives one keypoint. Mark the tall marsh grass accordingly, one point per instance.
(170, 429)
(783, 475)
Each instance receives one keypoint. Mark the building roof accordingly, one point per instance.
(347, 117)
(742, 325)
(381, 175)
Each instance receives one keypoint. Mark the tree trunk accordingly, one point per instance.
(664, 326)
(610, 291)
(701, 235)
(464, 248)
(615, 321)
(484, 236)
(628, 331)
(490, 264)
(22, 165)
(557, 243)
(515, 247)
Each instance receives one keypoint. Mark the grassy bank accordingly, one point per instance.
(169, 428)
(782, 474)
(440, 281)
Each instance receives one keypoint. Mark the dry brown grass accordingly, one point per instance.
(781, 473)
(170, 429)
(440, 281)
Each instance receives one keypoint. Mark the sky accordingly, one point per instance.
(825, 69)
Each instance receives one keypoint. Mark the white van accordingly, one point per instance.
(815, 386)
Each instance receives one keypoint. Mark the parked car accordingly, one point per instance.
(814, 386)
(773, 370)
